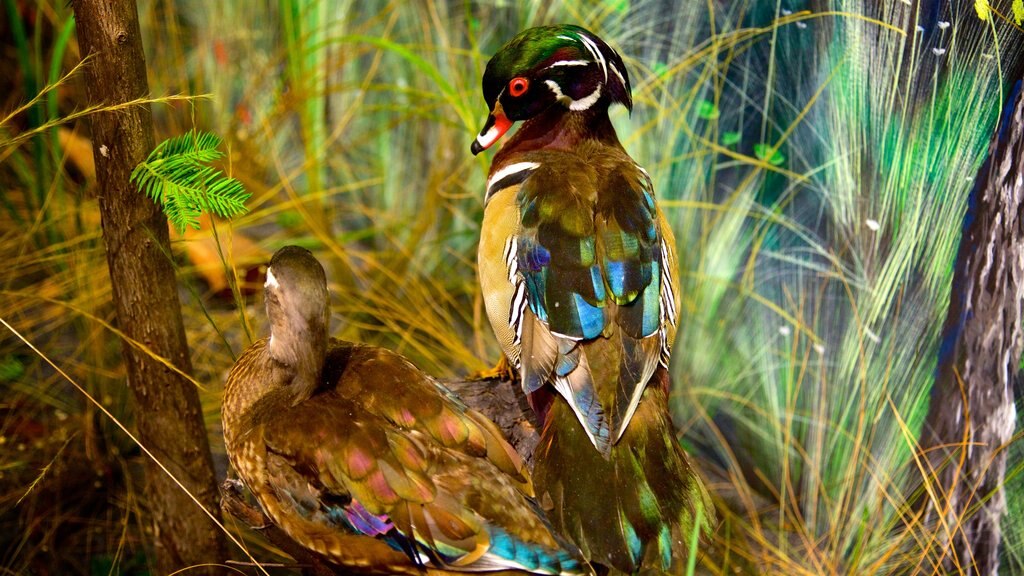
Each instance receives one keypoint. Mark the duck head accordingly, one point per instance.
(297, 304)
(547, 66)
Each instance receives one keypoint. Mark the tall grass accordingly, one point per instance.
(816, 288)
(814, 165)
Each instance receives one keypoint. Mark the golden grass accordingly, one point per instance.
(799, 383)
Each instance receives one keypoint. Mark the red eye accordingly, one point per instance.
(517, 86)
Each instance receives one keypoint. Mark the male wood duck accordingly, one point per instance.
(362, 458)
(576, 266)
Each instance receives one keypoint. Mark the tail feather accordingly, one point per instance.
(635, 509)
(547, 357)
(639, 358)
(578, 389)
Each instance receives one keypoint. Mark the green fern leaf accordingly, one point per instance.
(177, 176)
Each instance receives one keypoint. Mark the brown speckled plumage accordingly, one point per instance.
(375, 445)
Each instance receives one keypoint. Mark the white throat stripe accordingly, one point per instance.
(585, 103)
(271, 280)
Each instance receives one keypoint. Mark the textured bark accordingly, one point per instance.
(972, 417)
(505, 404)
(166, 405)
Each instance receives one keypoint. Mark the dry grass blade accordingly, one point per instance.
(814, 160)
(128, 433)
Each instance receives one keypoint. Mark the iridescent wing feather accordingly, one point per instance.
(590, 254)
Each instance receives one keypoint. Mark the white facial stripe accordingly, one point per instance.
(558, 92)
(271, 281)
(592, 47)
(509, 170)
(568, 63)
(622, 78)
(584, 103)
(485, 140)
(576, 105)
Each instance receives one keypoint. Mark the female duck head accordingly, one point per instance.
(296, 300)
(541, 67)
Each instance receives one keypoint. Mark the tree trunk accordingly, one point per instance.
(972, 417)
(166, 405)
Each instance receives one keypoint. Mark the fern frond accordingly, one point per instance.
(193, 146)
(176, 175)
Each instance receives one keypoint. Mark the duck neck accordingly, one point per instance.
(302, 351)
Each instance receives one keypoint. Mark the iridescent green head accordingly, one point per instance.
(546, 66)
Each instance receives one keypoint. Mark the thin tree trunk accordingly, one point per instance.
(166, 405)
(972, 417)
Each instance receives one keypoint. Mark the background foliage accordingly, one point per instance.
(814, 159)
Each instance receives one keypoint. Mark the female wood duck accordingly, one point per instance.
(364, 459)
(576, 266)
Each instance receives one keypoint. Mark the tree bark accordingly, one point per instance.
(166, 405)
(504, 402)
(971, 417)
